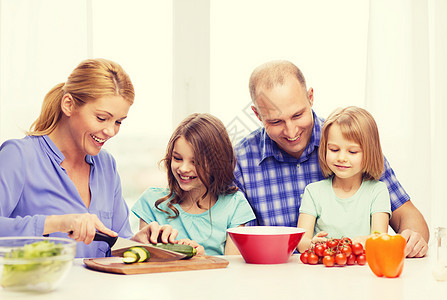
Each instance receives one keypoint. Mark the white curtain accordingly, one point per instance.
(39, 42)
(406, 91)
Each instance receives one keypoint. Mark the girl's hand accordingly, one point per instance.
(320, 237)
(80, 227)
(200, 249)
(155, 233)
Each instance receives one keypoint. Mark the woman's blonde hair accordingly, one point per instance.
(213, 156)
(357, 125)
(92, 79)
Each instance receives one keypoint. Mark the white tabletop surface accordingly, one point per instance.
(292, 280)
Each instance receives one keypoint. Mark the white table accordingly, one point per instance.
(239, 280)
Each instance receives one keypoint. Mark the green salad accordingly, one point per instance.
(39, 271)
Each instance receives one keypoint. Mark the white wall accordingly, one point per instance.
(41, 41)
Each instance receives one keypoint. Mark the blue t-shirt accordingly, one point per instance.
(33, 185)
(229, 211)
(349, 217)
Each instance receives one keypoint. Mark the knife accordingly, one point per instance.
(118, 245)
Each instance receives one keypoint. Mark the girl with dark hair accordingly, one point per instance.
(201, 201)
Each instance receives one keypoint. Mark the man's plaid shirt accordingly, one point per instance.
(274, 181)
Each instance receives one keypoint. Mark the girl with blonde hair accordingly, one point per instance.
(351, 202)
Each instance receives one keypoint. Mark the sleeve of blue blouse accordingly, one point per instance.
(243, 212)
(12, 180)
(121, 223)
(398, 195)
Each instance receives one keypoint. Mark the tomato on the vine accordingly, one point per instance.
(328, 252)
(304, 256)
(351, 260)
(357, 248)
(335, 251)
(328, 261)
(341, 259)
(346, 250)
(361, 259)
(345, 241)
(312, 259)
(332, 243)
(319, 249)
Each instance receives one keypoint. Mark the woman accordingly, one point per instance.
(57, 181)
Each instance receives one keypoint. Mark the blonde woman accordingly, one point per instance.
(57, 180)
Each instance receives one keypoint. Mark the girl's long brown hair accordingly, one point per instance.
(92, 79)
(213, 155)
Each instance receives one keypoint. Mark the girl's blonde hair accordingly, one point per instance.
(92, 79)
(357, 125)
(213, 156)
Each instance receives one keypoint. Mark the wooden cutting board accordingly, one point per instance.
(116, 265)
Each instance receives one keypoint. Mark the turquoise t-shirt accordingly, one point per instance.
(349, 217)
(229, 211)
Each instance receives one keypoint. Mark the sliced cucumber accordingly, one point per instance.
(128, 260)
(143, 252)
(131, 256)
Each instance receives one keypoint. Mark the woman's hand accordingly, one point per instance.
(155, 233)
(199, 248)
(80, 227)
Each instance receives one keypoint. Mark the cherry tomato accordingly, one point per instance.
(357, 248)
(328, 251)
(332, 243)
(351, 260)
(312, 259)
(361, 259)
(341, 259)
(319, 249)
(328, 261)
(345, 241)
(304, 256)
(346, 250)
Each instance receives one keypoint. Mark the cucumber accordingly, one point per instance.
(136, 254)
(131, 256)
(143, 252)
(188, 250)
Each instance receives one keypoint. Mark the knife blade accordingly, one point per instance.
(118, 245)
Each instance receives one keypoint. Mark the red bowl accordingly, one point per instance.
(266, 244)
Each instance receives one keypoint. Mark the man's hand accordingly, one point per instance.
(409, 222)
(416, 244)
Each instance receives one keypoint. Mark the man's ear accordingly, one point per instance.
(253, 108)
(67, 105)
(310, 96)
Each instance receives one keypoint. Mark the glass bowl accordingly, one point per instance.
(34, 263)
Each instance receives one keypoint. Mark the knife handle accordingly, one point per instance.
(111, 240)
